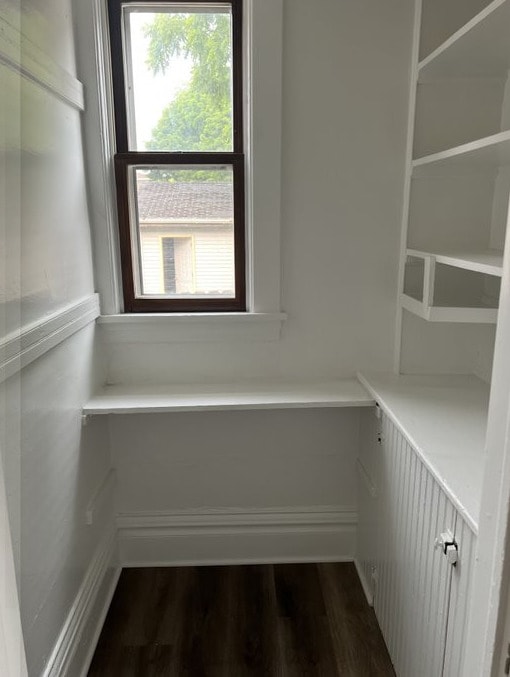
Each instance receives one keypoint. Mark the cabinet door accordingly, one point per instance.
(414, 578)
(459, 601)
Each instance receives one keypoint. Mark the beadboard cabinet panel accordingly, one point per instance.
(420, 600)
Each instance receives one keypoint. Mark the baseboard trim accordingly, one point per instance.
(364, 583)
(19, 349)
(76, 643)
(234, 536)
(101, 617)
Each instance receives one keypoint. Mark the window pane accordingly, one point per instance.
(179, 77)
(184, 239)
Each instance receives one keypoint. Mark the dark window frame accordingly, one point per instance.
(126, 159)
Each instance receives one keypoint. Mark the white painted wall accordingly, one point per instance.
(345, 79)
(52, 466)
(59, 467)
(256, 459)
(236, 487)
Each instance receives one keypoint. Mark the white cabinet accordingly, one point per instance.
(419, 598)
(454, 278)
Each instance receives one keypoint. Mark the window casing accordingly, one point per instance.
(133, 166)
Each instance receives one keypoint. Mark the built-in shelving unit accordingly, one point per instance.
(479, 48)
(448, 313)
(454, 229)
(452, 287)
(458, 184)
(439, 407)
(488, 153)
(489, 261)
(122, 399)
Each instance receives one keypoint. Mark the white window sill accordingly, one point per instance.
(191, 327)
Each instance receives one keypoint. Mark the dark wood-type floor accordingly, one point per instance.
(239, 621)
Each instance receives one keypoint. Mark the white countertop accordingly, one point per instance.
(445, 419)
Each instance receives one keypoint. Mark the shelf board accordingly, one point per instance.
(478, 49)
(119, 399)
(490, 152)
(488, 261)
(444, 417)
(448, 313)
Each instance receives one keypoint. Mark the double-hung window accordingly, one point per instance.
(179, 163)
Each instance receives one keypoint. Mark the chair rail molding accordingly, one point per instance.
(20, 348)
(22, 55)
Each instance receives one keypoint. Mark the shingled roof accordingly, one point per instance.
(165, 200)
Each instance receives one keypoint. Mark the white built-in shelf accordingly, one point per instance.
(478, 49)
(433, 313)
(445, 419)
(120, 399)
(487, 261)
(482, 154)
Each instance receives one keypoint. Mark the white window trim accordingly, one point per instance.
(263, 29)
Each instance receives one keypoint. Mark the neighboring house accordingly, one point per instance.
(186, 237)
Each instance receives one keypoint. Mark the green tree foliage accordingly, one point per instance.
(200, 116)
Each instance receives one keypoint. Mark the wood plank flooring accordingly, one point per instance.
(286, 620)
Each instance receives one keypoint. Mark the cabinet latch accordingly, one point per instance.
(446, 541)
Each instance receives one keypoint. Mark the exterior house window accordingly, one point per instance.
(177, 86)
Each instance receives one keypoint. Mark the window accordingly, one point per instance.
(179, 165)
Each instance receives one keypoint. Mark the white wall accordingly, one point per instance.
(345, 85)
(52, 466)
(344, 103)
(345, 79)
(246, 486)
(259, 459)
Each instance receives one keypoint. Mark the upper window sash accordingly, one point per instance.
(120, 42)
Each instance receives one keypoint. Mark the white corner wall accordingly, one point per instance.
(246, 486)
(343, 136)
(275, 485)
(345, 88)
(48, 357)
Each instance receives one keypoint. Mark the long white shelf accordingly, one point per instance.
(479, 48)
(449, 313)
(120, 399)
(445, 419)
(490, 152)
(488, 261)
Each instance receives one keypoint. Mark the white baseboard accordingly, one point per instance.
(235, 536)
(76, 643)
(364, 583)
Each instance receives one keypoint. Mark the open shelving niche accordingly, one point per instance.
(453, 235)
(452, 286)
